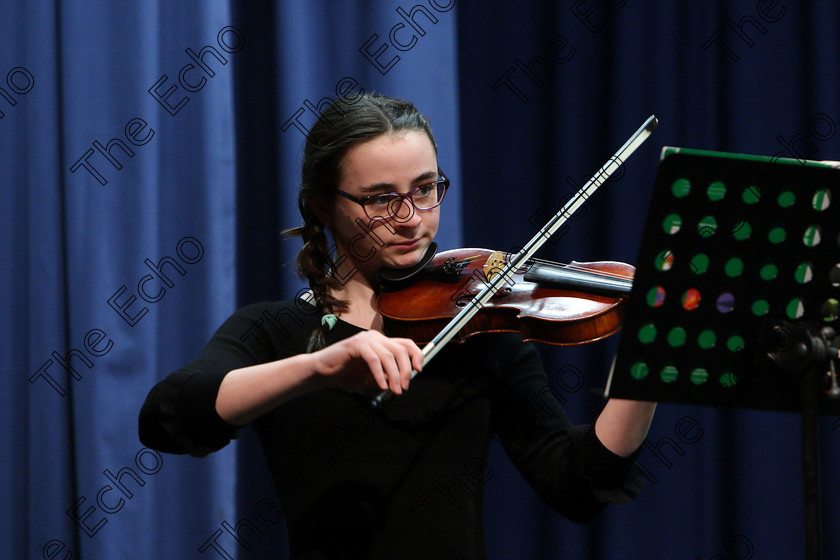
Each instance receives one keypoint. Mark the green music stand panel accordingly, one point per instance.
(733, 245)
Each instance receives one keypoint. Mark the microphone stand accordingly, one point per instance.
(806, 351)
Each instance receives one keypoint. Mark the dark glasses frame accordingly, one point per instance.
(363, 201)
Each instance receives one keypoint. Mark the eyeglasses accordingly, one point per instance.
(390, 205)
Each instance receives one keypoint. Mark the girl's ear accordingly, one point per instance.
(319, 206)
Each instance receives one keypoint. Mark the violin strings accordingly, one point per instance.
(583, 269)
(563, 265)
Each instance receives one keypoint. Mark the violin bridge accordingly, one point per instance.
(494, 265)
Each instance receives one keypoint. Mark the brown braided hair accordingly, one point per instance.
(345, 123)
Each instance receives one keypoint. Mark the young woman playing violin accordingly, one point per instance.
(403, 480)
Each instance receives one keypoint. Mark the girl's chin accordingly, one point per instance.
(404, 259)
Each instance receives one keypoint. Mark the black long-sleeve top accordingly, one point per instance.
(404, 481)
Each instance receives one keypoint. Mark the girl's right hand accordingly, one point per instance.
(368, 358)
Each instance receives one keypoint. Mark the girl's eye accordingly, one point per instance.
(425, 190)
(380, 201)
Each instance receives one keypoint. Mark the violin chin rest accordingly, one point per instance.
(392, 278)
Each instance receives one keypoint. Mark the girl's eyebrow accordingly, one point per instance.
(390, 187)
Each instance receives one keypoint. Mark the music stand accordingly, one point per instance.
(735, 296)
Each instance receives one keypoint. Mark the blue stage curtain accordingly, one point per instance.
(144, 193)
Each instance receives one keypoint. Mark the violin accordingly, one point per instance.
(500, 281)
(561, 304)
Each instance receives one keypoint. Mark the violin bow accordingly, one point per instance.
(543, 235)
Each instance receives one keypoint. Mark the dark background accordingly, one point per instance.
(222, 171)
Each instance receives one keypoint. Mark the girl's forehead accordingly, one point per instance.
(389, 157)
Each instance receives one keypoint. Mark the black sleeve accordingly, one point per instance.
(179, 414)
(567, 465)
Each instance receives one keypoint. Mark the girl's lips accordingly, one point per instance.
(407, 244)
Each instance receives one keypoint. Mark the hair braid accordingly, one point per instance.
(315, 264)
